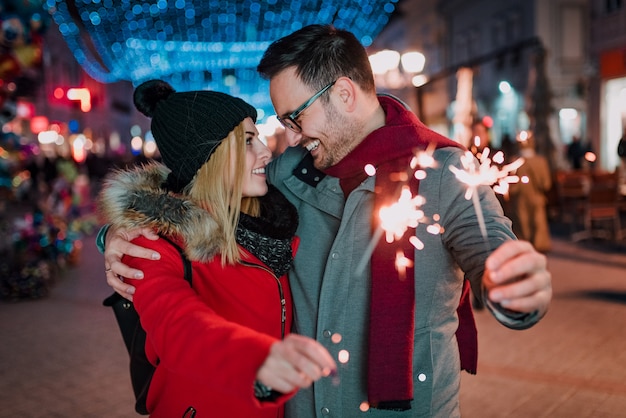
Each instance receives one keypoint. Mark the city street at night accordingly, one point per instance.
(62, 356)
(242, 130)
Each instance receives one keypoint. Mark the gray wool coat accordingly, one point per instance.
(330, 298)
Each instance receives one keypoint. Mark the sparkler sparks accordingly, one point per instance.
(406, 213)
(400, 216)
(487, 175)
(402, 263)
(421, 160)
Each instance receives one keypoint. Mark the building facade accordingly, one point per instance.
(607, 85)
(418, 26)
(528, 61)
(107, 122)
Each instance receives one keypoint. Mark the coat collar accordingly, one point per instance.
(137, 198)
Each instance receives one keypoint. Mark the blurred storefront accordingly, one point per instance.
(607, 117)
(529, 68)
(613, 107)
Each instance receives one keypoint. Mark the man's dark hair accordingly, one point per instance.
(320, 55)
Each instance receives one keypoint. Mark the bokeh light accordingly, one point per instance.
(198, 44)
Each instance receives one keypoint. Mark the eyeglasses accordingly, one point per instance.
(289, 121)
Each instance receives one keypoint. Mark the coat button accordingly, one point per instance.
(327, 333)
(421, 377)
(325, 411)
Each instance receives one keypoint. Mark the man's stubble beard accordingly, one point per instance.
(343, 139)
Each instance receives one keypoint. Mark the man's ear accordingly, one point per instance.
(346, 92)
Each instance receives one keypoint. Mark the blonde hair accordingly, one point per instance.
(213, 189)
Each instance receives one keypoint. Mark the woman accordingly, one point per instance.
(221, 347)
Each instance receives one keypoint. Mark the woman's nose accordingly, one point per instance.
(265, 153)
(293, 138)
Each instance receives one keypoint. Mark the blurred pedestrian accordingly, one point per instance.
(529, 198)
(621, 148)
(621, 153)
(481, 138)
(576, 153)
(509, 147)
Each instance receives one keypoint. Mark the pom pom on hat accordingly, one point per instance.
(148, 94)
(188, 126)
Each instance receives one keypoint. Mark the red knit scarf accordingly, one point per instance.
(392, 305)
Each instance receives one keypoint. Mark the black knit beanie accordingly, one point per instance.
(188, 126)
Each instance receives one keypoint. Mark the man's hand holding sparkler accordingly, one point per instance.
(516, 277)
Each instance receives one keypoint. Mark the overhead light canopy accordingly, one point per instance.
(199, 44)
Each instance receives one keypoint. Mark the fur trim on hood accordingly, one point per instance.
(136, 198)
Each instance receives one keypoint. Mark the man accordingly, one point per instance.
(396, 338)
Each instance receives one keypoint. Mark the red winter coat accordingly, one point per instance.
(209, 341)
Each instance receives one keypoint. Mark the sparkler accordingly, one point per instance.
(485, 174)
(406, 211)
(403, 214)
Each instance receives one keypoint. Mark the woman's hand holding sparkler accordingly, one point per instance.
(516, 277)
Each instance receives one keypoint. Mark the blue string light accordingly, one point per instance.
(201, 44)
